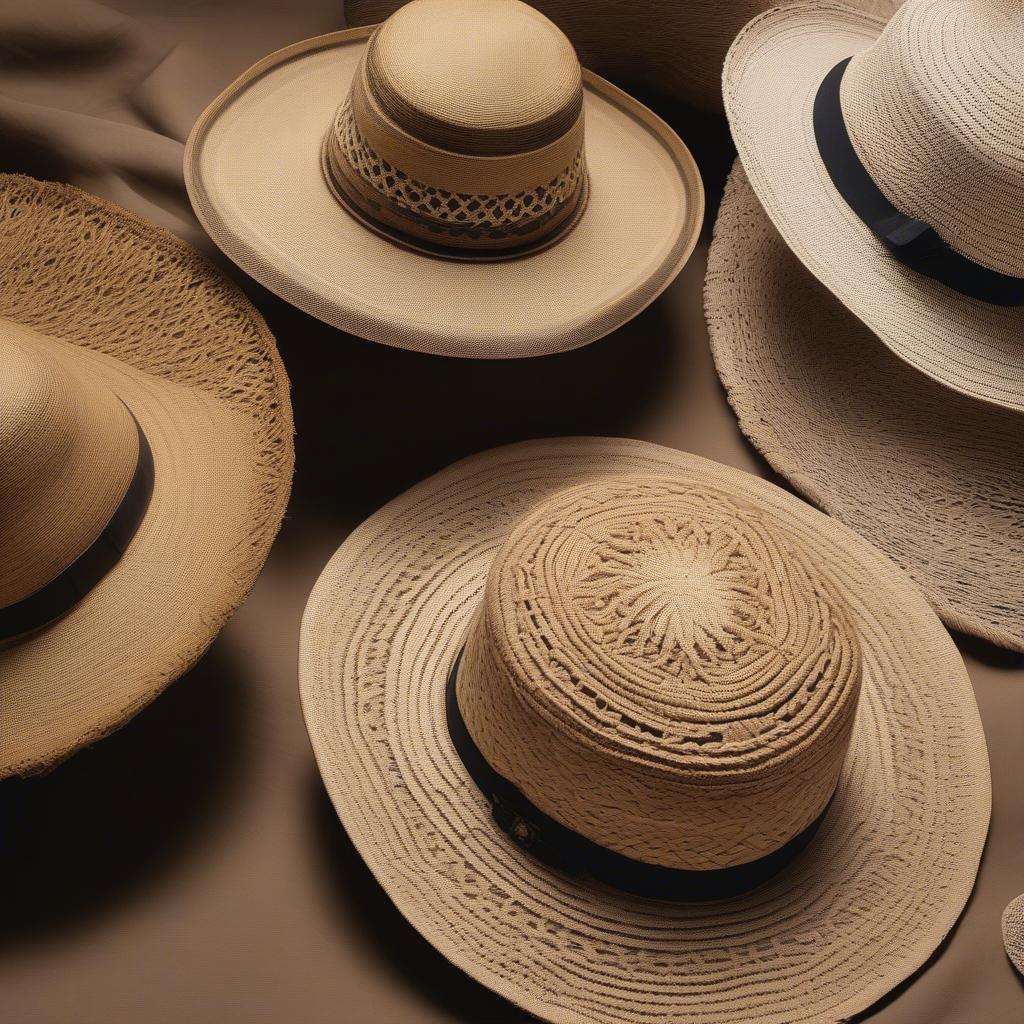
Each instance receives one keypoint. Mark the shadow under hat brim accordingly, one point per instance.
(253, 172)
(198, 368)
(771, 77)
(933, 478)
(866, 904)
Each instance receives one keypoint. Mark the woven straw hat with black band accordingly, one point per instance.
(145, 463)
(891, 160)
(451, 181)
(631, 736)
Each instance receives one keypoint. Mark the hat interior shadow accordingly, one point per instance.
(412, 960)
(78, 840)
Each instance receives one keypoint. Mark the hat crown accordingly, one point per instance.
(481, 77)
(463, 131)
(659, 668)
(934, 109)
(67, 453)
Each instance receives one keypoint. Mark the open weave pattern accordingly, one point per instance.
(456, 213)
(1013, 932)
(183, 338)
(932, 478)
(864, 906)
(934, 110)
(771, 76)
(655, 641)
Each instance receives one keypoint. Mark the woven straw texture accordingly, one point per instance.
(932, 478)
(253, 170)
(770, 79)
(662, 46)
(127, 308)
(1013, 932)
(864, 906)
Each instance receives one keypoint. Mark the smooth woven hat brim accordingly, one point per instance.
(771, 76)
(932, 478)
(253, 171)
(861, 909)
(128, 307)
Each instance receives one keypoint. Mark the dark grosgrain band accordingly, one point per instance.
(565, 850)
(913, 242)
(63, 592)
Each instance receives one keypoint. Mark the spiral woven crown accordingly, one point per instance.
(934, 109)
(67, 453)
(658, 667)
(462, 133)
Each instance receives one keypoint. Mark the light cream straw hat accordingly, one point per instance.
(145, 463)
(933, 478)
(670, 673)
(909, 156)
(451, 182)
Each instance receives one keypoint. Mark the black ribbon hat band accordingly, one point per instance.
(63, 592)
(913, 242)
(565, 850)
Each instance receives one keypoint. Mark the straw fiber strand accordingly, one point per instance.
(860, 909)
(932, 478)
(127, 309)
(771, 76)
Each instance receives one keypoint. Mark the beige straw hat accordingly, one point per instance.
(145, 463)
(933, 478)
(451, 182)
(661, 47)
(1013, 932)
(891, 160)
(669, 677)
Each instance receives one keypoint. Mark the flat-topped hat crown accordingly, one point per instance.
(463, 132)
(934, 110)
(74, 481)
(661, 669)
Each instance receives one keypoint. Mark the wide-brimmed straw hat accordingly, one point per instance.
(450, 182)
(560, 682)
(145, 462)
(891, 160)
(933, 478)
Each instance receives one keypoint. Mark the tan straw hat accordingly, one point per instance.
(891, 159)
(933, 478)
(671, 679)
(451, 182)
(1013, 932)
(145, 462)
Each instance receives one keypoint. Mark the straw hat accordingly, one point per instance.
(145, 462)
(891, 160)
(933, 478)
(451, 182)
(661, 46)
(669, 677)
(1013, 932)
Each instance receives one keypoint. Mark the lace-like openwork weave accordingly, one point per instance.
(455, 213)
(674, 648)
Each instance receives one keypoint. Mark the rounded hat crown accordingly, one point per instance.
(68, 451)
(935, 110)
(463, 131)
(658, 667)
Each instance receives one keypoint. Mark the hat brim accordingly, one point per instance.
(128, 307)
(253, 172)
(864, 906)
(932, 478)
(771, 76)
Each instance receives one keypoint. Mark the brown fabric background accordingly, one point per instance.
(190, 868)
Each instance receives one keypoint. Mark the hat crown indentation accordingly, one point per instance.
(656, 666)
(68, 450)
(934, 109)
